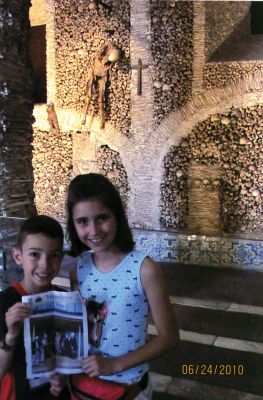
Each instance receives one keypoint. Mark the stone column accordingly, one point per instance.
(51, 52)
(142, 112)
(199, 47)
(16, 105)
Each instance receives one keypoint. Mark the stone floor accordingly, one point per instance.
(220, 315)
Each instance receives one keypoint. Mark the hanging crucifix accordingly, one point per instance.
(139, 67)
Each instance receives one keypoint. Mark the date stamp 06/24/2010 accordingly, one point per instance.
(213, 369)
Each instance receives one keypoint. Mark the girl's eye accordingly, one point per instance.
(82, 221)
(56, 255)
(102, 217)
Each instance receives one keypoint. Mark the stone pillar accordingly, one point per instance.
(142, 112)
(51, 51)
(199, 47)
(16, 105)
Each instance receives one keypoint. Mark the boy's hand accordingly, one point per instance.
(57, 383)
(96, 365)
(14, 318)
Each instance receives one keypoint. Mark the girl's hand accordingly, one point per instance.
(57, 383)
(14, 318)
(96, 365)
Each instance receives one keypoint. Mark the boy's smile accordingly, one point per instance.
(41, 258)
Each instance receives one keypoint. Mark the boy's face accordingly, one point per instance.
(41, 258)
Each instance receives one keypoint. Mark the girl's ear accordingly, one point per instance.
(17, 255)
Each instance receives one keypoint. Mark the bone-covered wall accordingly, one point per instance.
(172, 52)
(219, 75)
(110, 165)
(223, 18)
(52, 163)
(150, 160)
(232, 142)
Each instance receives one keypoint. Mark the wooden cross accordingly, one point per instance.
(139, 67)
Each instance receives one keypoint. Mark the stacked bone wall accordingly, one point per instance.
(218, 75)
(222, 19)
(111, 166)
(233, 142)
(80, 31)
(228, 24)
(172, 52)
(52, 163)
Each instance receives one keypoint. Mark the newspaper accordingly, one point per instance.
(56, 334)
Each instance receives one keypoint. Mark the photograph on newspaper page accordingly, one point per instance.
(56, 334)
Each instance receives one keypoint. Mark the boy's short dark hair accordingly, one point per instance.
(40, 224)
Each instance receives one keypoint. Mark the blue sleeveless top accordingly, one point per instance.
(125, 326)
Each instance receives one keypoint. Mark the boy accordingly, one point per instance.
(39, 251)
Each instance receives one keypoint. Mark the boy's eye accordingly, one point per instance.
(34, 254)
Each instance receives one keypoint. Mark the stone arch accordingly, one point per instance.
(246, 92)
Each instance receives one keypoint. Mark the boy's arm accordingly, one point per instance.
(164, 320)
(12, 320)
(6, 358)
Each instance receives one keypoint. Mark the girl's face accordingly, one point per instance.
(95, 224)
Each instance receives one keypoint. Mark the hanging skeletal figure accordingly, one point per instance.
(99, 70)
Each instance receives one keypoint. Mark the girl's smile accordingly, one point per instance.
(95, 224)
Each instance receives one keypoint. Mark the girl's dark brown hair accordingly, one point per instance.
(84, 187)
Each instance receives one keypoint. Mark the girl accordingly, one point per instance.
(124, 283)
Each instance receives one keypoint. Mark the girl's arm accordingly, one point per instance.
(164, 320)
(162, 314)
